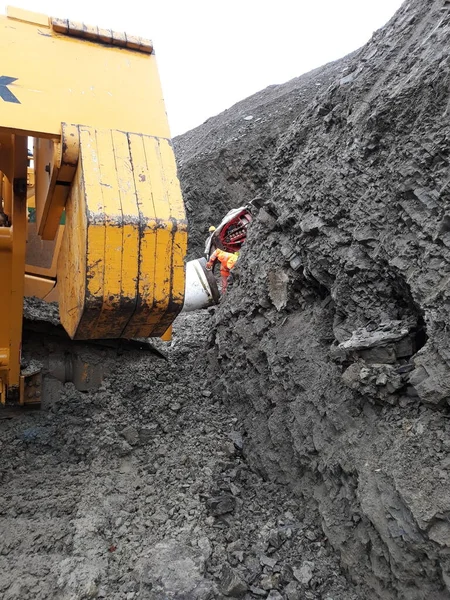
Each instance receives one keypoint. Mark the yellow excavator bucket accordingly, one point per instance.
(106, 229)
(121, 264)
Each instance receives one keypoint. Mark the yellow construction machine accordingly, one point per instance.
(91, 212)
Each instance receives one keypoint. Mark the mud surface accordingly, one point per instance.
(141, 490)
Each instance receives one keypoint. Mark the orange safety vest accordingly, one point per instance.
(227, 259)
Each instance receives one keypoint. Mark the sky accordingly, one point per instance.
(212, 54)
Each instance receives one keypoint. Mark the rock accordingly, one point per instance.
(270, 582)
(347, 79)
(205, 546)
(237, 439)
(231, 584)
(267, 219)
(274, 595)
(235, 490)
(268, 562)
(292, 592)
(440, 533)
(305, 573)
(363, 339)
(123, 448)
(221, 505)
(277, 288)
(311, 224)
(239, 554)
(159, 516)
(284, 532)
(173, 568)
(131, 435)
(205, 590)
(378, 355)
(446, 579)
(229, 449)
(256, 591)
(147, 433)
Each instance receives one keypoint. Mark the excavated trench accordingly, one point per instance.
(294, 442)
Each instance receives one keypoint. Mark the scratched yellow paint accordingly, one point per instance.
(140, 325)
(162, 281)
(12, 261)
(72, 259)
(130, 225)
(81, 258)
(161, 254)
(95, 234)
(177, 214)
(171, 234)
(109, 325)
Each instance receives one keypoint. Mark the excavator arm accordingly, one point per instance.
(95, 219)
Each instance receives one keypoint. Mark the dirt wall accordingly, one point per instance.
(333, 343)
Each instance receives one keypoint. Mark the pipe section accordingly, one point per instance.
(201, 286)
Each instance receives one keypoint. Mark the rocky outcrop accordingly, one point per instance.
(333, 342)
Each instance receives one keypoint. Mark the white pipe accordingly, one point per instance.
(201, 287)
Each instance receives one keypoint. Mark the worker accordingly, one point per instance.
(209, 241)
(227, 262)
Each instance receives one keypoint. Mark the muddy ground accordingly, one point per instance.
(294, 443)
(141, 490)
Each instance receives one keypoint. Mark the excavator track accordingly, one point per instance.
(49, 352)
